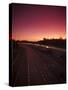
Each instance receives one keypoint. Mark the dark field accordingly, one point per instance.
(37, 64)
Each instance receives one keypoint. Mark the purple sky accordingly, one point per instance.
(32, 22)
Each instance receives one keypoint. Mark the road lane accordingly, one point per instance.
(44, 67)
(34, 75)
(39, 65)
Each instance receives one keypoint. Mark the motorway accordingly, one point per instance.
(39, 65)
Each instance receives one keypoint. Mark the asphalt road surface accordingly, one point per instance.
(39, 65)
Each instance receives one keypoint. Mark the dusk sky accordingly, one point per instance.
(32, 22)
